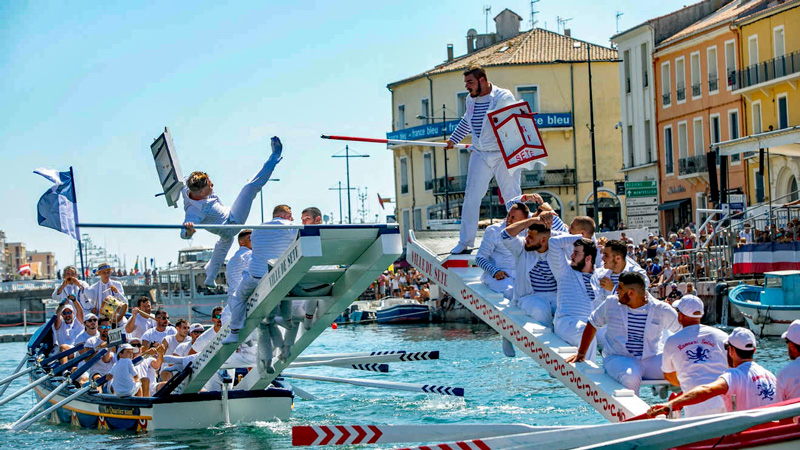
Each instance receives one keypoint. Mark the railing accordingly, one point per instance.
(666, 99)
(692, 164)
(765, 71)
(696, 90)
(529, 179)
(713, 84)
(681, 92)
(454, 185)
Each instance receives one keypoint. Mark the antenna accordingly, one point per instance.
(619, 13)
(486, 10)
(364, 210)
(562, 23)
(533, 13)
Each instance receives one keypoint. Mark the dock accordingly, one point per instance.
(16, 337)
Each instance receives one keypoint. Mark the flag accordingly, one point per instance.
(24, 269)
(761, 258)
(57, 208)
(136, 267)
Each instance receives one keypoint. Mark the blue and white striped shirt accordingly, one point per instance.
(269, 244)
(475, 126)
(542, 279)
(637, 318)
(587, 284)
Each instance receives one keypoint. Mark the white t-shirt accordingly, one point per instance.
(789, 381)
(67, 333)
(696, 354)
(748, 237)
(101, 367)
(83, 337)
(751, 385)
(123, 382)
(141, 326)
(173, 343)
(154, 337)
(183, 348)
(77, 291)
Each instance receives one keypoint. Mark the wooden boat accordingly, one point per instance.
(402, 310)
(770, 310)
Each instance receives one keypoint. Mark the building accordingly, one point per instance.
(695, 112)
(17, 256)
(550, 72)
(766, 77)
(5, 267)
(47, 262)
(638, 107)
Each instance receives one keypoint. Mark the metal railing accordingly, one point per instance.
(666, 99)
(696, 90)
(528, 179)
(713, 83)
(681, 92)
(765, 71)
(692, 165)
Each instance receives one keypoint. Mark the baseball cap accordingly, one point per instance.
(89, 316)
(68, 306)
(690, 305)
(134, 339)
(742, 338)
(793, 333)
(673, 285)
(196, 327)
(124, 347)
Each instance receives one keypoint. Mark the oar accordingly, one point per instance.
(57, 356)
(363, 363)
(14, 375)
(425, 388)
(391, 141)
(41, 380)
(305, 395)
(89, 386)
(371, 357)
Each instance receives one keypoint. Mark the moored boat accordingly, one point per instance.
(769, 310)
(402, 310)
(180, 286)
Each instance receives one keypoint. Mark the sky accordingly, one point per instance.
(92, 84)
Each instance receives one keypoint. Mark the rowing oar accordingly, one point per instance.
(5, 382)
(425, 388)
(371, 357)
(74, 362)
(391, 141)
(392, 434)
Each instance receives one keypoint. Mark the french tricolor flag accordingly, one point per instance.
(761, 258)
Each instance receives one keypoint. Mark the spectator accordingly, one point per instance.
(746, 234)
(674, 293)
(666, 278)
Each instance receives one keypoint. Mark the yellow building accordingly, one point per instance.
(767, 76)
(46, 261)
(548, 70)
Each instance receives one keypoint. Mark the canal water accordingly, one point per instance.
(498, 390)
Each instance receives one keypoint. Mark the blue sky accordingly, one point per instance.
(91, 84)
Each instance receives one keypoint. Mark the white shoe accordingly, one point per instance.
(508, 349)
(459, 249)
(231, 338)
(308, 321)
(265, 367)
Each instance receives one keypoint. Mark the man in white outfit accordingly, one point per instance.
(72, 286)
(695, 355)
(485, 161)
(204, 207)
(239, 261)
(494, 258)
(104, 288)
(615, 262)
(789, 376)
(745, 385)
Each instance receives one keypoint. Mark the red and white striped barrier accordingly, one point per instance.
(335, 435)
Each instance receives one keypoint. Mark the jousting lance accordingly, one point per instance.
(391, 141)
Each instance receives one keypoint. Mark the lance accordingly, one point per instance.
(391, 141)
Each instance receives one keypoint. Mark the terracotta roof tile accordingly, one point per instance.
(537, 46)
(727, 13)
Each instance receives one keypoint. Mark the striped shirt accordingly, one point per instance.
(475, 126)
(542, 279)
(587, 284)
(636, 322)
(269, 244)
(236, 267)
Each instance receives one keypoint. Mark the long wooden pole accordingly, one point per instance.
(424, 388)
(391, 141)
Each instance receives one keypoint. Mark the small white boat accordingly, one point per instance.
(180, 287)
(403, 310)
(770, 310)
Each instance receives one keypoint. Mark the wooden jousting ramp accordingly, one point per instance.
(586, 379)
(348, 257)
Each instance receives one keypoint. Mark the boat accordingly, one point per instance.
(769, 310)
(359, 312)
(180, 287)
(402, 310)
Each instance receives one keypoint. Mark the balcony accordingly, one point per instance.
(713, 83)
(696, 90)
(666, 99)
(692, 165)
(766, 71)
(681, 91)
(529, 179)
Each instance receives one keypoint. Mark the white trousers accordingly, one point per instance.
(238, 215)
(630, 371)
(504, 286)
(237, 302)
(540, 307)
(483, 166)
(570, 329)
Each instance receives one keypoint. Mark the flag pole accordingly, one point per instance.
(77, 222)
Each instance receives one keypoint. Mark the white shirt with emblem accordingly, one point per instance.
(696, 354)
(749, 386)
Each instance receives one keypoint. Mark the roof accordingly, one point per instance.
(726, 14)
(537, 46)
(512, 12)
(767, 11)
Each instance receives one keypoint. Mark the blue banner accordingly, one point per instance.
(434, 130)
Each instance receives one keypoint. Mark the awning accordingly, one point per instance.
(675, 204)
(785, 138)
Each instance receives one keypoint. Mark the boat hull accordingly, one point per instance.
(404, 314)
(763, 320)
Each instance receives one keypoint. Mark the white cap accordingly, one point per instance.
(690, 305)
(742, 338)
(793, 333)
(124, 347)
(89, 316)
(134, 339)
(196, 327)
(68, 306)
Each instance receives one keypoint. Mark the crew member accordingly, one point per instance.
(104, 288)
(204, 207)
(789, 376)
(615, 262)
(745, 385)
(141, 318)
(171, 343)
(310, 216)
(71, 285)
(125, 380)
(69, 323)
(494, 258)
(156, 335)
(695, 355)
(239, 261)
(486, 160)
(103, 366)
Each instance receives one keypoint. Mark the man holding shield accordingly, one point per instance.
(486, 160)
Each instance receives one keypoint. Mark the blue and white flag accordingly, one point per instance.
(56, 208)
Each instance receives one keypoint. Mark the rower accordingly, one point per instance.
(125, 380)
(494, 258)
(171, 344)
(89, 330)
(104, 288)
(203, 206)
(149, 366)
(200, 344)
(156, 335)
(67, 326)
(695, 355)
(615, 262)
(141, 318)
(745, 385)
(103, 366)
(789, 376)
(635, 322)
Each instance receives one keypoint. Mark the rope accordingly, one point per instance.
(20, 312)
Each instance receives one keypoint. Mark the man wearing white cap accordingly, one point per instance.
(68, 324)
(89, 330)
(695, 355)
(789, 376)
(125, 380)
(745, 385)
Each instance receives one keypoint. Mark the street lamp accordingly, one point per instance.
(347, 157)
(578, 44)
(446, 177)
(261, 194)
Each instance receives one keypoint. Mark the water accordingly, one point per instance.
(498, 390)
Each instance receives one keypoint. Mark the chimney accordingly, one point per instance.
(449, 52)
(472, 35)
(567, 32)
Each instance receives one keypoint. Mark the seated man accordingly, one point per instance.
(745, 385)
(615, 262)
(494, 258)
(635, 322)
(149, 366)
(89, 330)
(203, 206)
(171, 344)
(667, 276)
(141, 318)
(789, 376)
(103, 366)
(68, 324)
(125, 380)
(695, 355)
(156, 335)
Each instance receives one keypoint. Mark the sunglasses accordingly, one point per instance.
(197, 332)
(136, 345)
(66, 313)
(105, 327)
(217, 316)
(163, 318)
(90, 320)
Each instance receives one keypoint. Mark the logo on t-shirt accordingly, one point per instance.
(699, 355)
(766, 390)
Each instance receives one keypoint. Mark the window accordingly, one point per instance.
(697, 132)
(730, 62)
(427, 168)
(733, 124)
(694, 60)
(680, 79)
(401, 117)
(778, 41)
(757, 117)
(783, 111)
(626, 61)
(644, 60)
(648, 147)
(752, 49)
(669, 163)
(406, 221)
(418, 218)
(666, 85)
(631, 152)
(424, 111)
(403, 175)
(531, 95)
(713, 82)
(461, 103)
(463, 161)
(683, 141)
